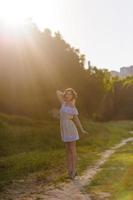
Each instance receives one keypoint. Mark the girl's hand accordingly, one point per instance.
(85, 132)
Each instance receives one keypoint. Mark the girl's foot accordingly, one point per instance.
(73, 174)
(69, 174)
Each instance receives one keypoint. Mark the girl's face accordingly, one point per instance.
(68, 96)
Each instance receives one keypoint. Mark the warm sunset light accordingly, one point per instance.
(14, 13)
(96, 27)
(10, 14)
(66, 99)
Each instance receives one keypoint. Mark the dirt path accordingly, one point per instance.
(73, 190)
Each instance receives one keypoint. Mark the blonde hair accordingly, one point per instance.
(74, 94)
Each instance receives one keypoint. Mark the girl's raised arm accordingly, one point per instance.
(60, 96)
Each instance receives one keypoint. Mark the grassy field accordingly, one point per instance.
(35, 147)
(116, 177)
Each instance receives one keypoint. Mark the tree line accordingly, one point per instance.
(34, 64)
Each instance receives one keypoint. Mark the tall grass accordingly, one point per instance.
(30, 146)
(116, 176)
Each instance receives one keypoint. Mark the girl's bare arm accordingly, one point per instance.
(60, 96)
(78, 123)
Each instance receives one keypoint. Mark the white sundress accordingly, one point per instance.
(68, 128)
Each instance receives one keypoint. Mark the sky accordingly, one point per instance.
(101, 29)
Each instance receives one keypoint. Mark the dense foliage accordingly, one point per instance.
(34, 64)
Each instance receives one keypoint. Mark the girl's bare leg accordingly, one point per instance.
(69, 156)
(74, 155)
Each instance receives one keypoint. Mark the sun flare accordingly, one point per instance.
(11, 14)
(14, 13)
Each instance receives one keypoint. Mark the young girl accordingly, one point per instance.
(69, 132)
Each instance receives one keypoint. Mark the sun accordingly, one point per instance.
(14, 13)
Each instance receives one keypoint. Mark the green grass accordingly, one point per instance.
(116, 176)
(34, 147)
